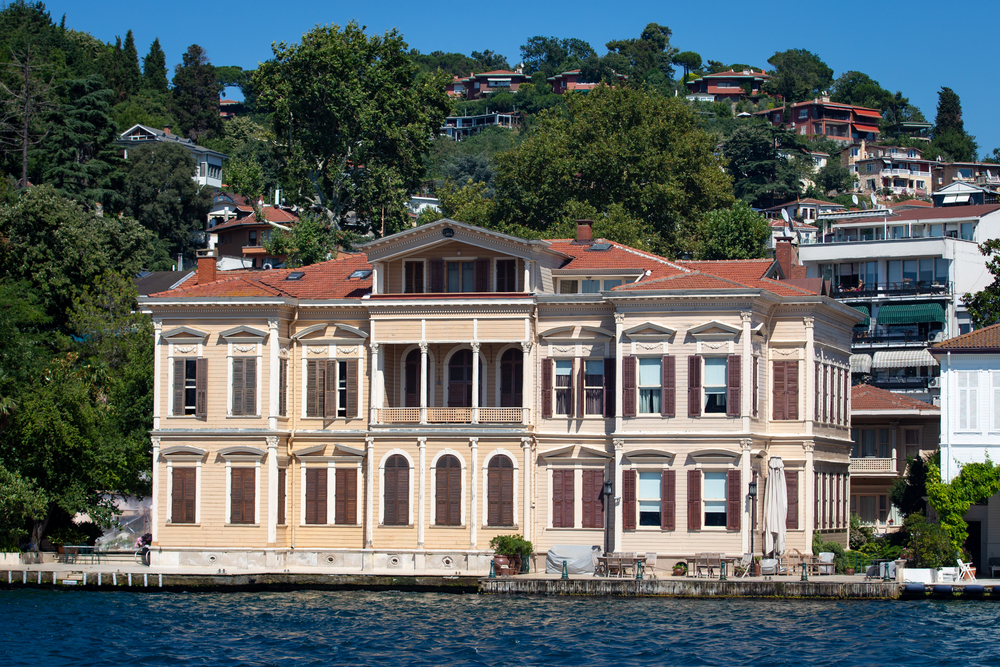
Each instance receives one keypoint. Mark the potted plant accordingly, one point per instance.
(510, 552)
(756, 566)
(680, 568)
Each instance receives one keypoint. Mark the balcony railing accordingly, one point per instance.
(906, 288)
(891, 338)
(452, 415)
(872, 465)
(901, 382)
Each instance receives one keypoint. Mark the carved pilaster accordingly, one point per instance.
(272, 441)
(619, 318)
(526, 346)
(809, 322)
(619, 444)
(746, 315)
(746, 443)
(424, 347)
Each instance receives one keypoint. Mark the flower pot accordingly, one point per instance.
(756, 569)
(62, 549)
(679, 571)
(848, 571)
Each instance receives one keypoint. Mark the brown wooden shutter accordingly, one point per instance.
(249, 495)
(395, 496)
(628, 499)
(310, 495)
(548, 365)
(178, 387)
(190, 491)
(581, 403)
(352, 388)
(629, 364)
(756, 387)
(668, 388)
(250, 386)
(177, 499)
(283, 387)
(441, 496)
(282, 474)
(792, 388)
(792, 486)
(668, 500)
(847, 397)
(316, 495)
(493, 497)
(507, 497)
(694, 500)
(593, 499)
(321, 495)
(346, 509)
(330, 398)
(482, 274)
(201, 388)
(236, 495)
(734, 499)
(778, 395)
(437, 275)
(558, 498)
(694, 386)
(312, 367)
(455, 497)
(734, 397)
(609, 388)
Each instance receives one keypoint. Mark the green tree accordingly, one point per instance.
(163, 197)
(761, 176)
(688, 60)
(552, 55)
(798, 75)
(196, 96)
(59, 247)
(859, 89)
(737, 232)
(615, 146)
(638, 57)
(452, 64)
(487, 61)
(246, 177)
(984, 305)
(834, 176)
(354, 122)
(80, 156)
(907, 493)
(313, 239)
(27, 89)
(154, 69)
(131, 75)
(950, 140)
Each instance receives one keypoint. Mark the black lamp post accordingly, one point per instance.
(752, 495)
(607, 491)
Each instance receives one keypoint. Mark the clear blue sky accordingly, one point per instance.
(915, 47)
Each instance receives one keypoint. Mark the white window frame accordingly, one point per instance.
(243, 462)
(244, 350)
(704, 383)
(658, 471)
(705, 472)
(412, 483)
(968, 418)
(996, 399)
(556, 388)
(464, 485)
(639, 387)
(485, 517)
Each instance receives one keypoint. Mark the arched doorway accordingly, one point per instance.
(460, 380)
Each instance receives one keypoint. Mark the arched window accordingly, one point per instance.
(448, 494)
(396, 494)
(500, 491)
(460, 380)
(511, 378)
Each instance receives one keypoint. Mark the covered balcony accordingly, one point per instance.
(450, 383)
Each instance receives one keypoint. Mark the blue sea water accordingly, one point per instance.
(47, 628)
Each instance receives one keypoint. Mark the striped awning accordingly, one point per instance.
(902, 359)
(868, 316)
(861, 363)
(911, 313)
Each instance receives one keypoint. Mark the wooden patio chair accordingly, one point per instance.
(701, 565)
(649, 566)
(714, 563)
(745, 566)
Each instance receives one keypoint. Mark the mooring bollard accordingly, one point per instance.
(9, 575)
(114, 578)
(805, 574)
(638, 570)
(24, 578)
(130, 580)
(145, 580)
(39, 577)
(84, 578)
(98, 579)
(722, 571)
(55, 578)
(161, 580)
(493, 570)
(565, 574)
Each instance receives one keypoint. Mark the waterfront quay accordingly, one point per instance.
(139, 578)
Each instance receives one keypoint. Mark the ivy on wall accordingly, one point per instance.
(975, 482)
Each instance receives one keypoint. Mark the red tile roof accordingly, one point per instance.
(947, 212)
(618, 256)
(915, 202)
(271, 214)
(985, 338)
(865, 397)
(326, 280)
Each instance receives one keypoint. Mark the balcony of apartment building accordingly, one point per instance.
(910, 371)
(445, 384)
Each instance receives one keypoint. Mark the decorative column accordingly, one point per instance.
(527, 396)
(526, 483)
(370, 495)
(272, 490)
(157, 377)
(526, 280)
(475, 382)
(619, 444)
(473, 489)
(746, 375)
(422, 491)
(894, 428)
(619, 397)
(810, 375)
(274, 348)
(154, 515)
(746, 474)
(809, 483)
(423, 382)
(373, 393)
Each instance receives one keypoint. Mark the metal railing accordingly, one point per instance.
(905, 288)
(901, 382)
(872, 465)
(452, 415)
(875, 338)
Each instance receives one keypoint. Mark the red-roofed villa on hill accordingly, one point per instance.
(821, 117)
(476, 86)
(392, 410)
(728, 86)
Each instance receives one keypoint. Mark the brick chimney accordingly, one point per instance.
(585, 232)
(207, 258)
(787, 255)
(166, 130)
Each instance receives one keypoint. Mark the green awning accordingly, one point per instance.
(868, 316)
(911, 313)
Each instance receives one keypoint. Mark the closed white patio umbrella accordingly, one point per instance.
(775, 508)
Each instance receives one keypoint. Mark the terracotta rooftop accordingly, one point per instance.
(271, 214)
(985, 338)
(865, 397)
